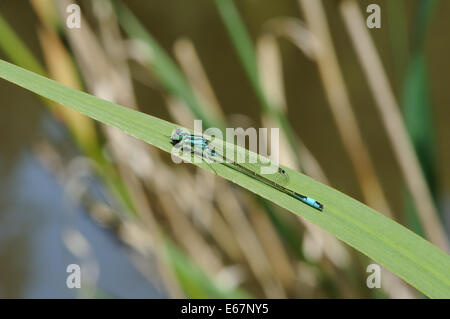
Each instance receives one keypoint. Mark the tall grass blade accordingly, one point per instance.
(404, 253)
(417, 108)
(163, 66)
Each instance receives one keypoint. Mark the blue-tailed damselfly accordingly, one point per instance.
(197, 142)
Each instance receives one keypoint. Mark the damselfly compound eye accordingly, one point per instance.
(177, 135)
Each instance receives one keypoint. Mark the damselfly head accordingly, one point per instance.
(177, 135)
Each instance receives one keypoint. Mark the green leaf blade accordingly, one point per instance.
(406, 254)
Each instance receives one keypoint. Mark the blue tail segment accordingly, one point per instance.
(309, 201)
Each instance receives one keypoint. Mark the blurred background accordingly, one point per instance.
(362, 110)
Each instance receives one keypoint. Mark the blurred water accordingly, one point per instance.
(33, 259)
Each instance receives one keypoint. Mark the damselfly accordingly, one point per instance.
(200, 145)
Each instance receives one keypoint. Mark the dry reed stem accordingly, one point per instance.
(105, 80)
(187, 56)
(242, 229)
(188, 237)
(249, 242)
(271, 74)
(393, 123)
(339, 102)
(275, 250)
